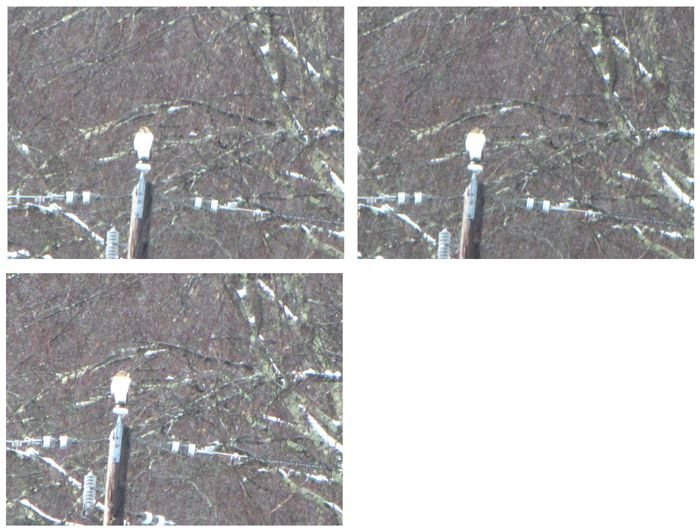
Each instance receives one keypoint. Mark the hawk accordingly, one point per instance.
(120, 387)
(475, 144)
(142, 143)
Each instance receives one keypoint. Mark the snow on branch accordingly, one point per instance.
(684, 198)
(299, 376)
(294, 51)
(388, 211)
(309, 494)
(329, 440)
(56, 210)
(324, 132)
(270, 293)
(44, 515)
(336, 180)
(665, 130)
(625, 52)
(309, 477)
(33, 454)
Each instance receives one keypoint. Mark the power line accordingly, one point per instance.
(197, 203)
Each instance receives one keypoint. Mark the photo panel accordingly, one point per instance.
(198, 399)
(525, 132)
(189, 132)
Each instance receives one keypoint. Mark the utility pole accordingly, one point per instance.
(473, 196)
(140, 224)
(471, 218)
(118, 460)
(141, 197)
(115, 488)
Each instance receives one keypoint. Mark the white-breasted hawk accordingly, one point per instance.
(475, 144)
(142, 143)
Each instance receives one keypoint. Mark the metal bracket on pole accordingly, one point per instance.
(141, 195)
(472, 196)
(118, 433)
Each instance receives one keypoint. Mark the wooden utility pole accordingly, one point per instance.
(141, 201)
(471, 219)
(115, 484)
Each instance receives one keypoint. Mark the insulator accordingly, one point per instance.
(143, 167)
(545, 205)
(475, 168)
(191, 448)
(87, 196)
(214, 205)
(46, 442)
(418, 198)
(175, 447)
(112, 248)
(198, 202)
(401, 198)
(147, 518)
(529, 204)
(89, 492)
(70, 197)
(444, 238)
(63, 441)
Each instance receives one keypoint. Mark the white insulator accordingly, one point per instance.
(191, 448)
(530, 203)
(147, 518)
(214, 205)
(63, 441)
(545, 205)
(175, 447)
(143, 167)
(418, 198)
(70, 197)
(475, 168)
(401, 198)
(87, 196)
(112, 248)
(89, 492)
(198, 202)
(46, 442)
(444, 239)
